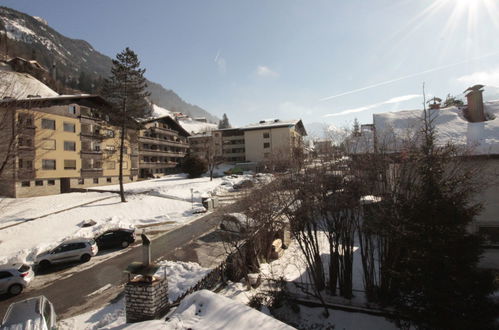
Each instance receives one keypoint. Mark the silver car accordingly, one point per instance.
(14, 278)
(81, 249)
(33, 313)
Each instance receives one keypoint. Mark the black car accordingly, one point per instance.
(115, 238)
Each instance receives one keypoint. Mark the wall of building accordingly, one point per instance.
(43, 140)
(278, 142)
(489, 194)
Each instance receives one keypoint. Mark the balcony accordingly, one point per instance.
(147, 139)
(91, 151)
(143, 164)
(152, 152)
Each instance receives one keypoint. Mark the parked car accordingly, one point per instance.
(115, 238)
(33, 313)
(14, 278)
(80, 249)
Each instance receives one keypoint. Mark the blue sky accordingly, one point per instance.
(294, 59)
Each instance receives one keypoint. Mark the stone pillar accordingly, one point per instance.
(146, 300)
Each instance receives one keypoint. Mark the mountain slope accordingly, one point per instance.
(73, 62)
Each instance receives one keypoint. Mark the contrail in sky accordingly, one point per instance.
(406, 77)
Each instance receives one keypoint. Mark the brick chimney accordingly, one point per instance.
(434, 103)
(475, 112)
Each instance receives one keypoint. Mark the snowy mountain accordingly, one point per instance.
(75, 63)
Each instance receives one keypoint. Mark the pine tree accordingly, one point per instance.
(356, 128)
(224, 123)
(125, 90)
(438, 285)
(452, 101)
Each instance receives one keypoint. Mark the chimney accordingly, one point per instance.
(475, 104)
(434, 103)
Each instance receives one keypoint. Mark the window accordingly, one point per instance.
(96, 147)
(25, 120)
(25, 184)
(69, 146)
(108, 180)
(69, 164)
(39, 183)
(266, 145)
(110, 148)
(266, 135)
(96, 180)
(5, 274)
(28, 164)
(69, 127)
(20, 163)
(48, 164)
(81, 181)
(109, 133)
(48, 144)
(25, 142)
(72, 109)
(111, 165)
(51, 182)
(48, 124)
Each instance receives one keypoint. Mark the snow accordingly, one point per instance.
(207, 310)
(20, 85)
(166, 200)
(312, 318)
(190, 125)
(193, 126)
(158, 111)
(181, 276)
(396, 128)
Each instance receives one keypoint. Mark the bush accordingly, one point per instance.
(234, 170)
(194, 166)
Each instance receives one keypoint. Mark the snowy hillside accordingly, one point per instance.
(75, 58)
(396, 128)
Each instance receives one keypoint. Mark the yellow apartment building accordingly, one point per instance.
(54, 144)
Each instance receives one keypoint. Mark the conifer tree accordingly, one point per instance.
(438, 284)
(125, 90)
(224, 123)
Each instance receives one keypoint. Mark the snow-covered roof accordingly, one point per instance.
(19, 85)
(194, 126)
(207, 310)
(394, 129)
(158, 111)
(274, 123)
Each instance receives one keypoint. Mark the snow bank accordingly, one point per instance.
(207, 310)
(397, 128)
(181, 276)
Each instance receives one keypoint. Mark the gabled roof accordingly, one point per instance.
(171, 122)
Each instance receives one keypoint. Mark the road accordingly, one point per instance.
(77, 293)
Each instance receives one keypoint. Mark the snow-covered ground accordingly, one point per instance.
(165, 200)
